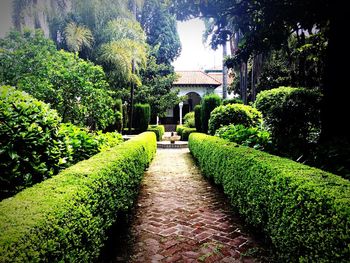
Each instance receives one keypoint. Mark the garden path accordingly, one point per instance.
(181, 217)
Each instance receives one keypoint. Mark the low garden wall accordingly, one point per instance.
(65, 218)
(303, 211)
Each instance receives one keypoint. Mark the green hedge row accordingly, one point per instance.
(184, 132)
(304, 211)
(65, 218)
(159, 130)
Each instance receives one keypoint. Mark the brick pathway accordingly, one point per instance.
(180, 217)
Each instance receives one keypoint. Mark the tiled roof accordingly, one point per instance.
(218, 77)
(195, 78)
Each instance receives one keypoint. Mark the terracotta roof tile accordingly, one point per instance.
(195, 78)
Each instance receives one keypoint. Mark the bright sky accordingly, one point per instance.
(194, 55)
(5, 16)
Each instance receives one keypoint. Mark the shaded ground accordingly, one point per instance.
(180, 217)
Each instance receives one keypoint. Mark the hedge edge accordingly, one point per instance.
(304, 211)
(65, 218)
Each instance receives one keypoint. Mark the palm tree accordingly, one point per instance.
(77, 37)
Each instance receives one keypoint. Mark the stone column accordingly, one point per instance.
(180, 107)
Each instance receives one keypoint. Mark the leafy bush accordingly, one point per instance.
(30, 147)
(254, 137)
(186, 133)
(209, 103)
(234, 114)
(232, 101)
(303, 211)
(65, 218)
(81, 143)
(189, 120)
(141, 117)
(197, 117)
(118, 123)
(292, 116)
(179, 129)
(159, 130)
(76, 88)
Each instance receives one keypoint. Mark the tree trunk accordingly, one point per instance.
(132, 89)
(243, 81)
(256, 71)
(225, 71)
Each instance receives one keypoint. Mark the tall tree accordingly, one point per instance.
(160, 26)
(77, 37)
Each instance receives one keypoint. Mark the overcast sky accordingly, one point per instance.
(194, 55)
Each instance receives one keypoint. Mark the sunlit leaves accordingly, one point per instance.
(77, 36)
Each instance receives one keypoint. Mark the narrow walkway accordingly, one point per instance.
(181, 218)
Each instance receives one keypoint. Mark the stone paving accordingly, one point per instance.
(181, 217)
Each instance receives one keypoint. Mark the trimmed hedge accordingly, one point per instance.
(159, 130)
(184, 132)
(234, 114)
(209, 103)
(141, 117)
(293, 118)
(304, 211)
(65, 218)
(197, 117)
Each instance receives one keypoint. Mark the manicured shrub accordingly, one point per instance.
(255, 137)
(179, 129)
(159, 130)
(232, 101)
(65, 218)
(189, 120)
(303, 211)
(292, 116)
(197, 118)
(30, 147)
(234, 114)
(141, 117)
(186, 133)
(209, 103)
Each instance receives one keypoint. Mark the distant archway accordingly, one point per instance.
(193, 99)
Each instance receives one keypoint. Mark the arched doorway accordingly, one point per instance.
(193, 99)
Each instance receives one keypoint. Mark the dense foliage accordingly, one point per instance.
(65, 218)
(77, 89)
(189, 120)
(35, 145)
(197, 117)
(30, 147)
(209, 103)
(156, 89)
(159, 130)
(234, 114)
(160, 26)
(184, 132)
(292, 115)
(142, 115)
(82, 144)
(303, 211)
(254, 137)
(232, 101)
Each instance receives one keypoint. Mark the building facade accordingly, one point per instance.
(194, 85)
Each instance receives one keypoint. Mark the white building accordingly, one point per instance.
(195, 85)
